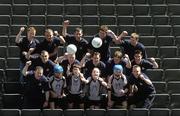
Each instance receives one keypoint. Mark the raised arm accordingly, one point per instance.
(64, 30)
(25, 69)
(18, 36)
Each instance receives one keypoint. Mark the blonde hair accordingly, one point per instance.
(135, 35)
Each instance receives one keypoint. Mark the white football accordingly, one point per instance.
(71, 49)
(96, 42)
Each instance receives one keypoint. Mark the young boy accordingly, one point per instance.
(118, 88)
(94, 85)
(58, 85)
(75, 84)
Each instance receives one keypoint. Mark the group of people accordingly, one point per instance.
(89, 78)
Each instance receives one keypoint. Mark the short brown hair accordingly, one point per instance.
(103, 28)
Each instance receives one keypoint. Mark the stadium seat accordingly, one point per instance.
(12, 75)
(173, 2)
(160, 86)
(20, 9)
(174, 20)
(107, 20)
(12, 87)
(106, 9)
(37, 9)
(125, 20)
(3, 53)
(151, 2)
(5, 19)
(37, 1)
(12, 101)
(123, 1)
(138, 112)
(90, 30)
(3, 40)
(89, 9)
(152, 51)
(176, 30)
(117, 112)
(141, 9)
(147, 40)
(142, 20)
(55, 2)
(161, 101)
(30, 112)
(159, 112)
(10, 112)
(74, 19)
(173, 9)
(90, 20)
(177, 42)
(175, 112)
(5, 9)
(128, 28)
(2, 75)
(165, 41)
(19, 20)
(95, 112)
(162, 30)
(13, 62)
(175, 98)
(140, 1)
(172, 74)
(72, 9)
(4, 29)
(74, 112)
(144, 30)
(54, 19)
(168, 51)
(21, 2)
(89, 1)
(124, 9)
(55, 9)
(37, 20)
(2, 63)
(52, 112)
(160, 20)
(173, 87)
(11, 40)
(72, 2)
(158, 9)
(13, 51)
(171, 63)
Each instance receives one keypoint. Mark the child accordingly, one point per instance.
(118, 88)
(94, 84)
(58, 85)
(75, 88)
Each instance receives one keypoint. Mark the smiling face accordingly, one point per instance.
(38, 72)
(95, 73)
(49, 35)
(31, 33)
(136, 71)
(44, 56)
